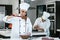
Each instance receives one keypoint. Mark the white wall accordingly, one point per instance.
(4, 2)
(32, 12)
(15, 5)
(32, 15)
(41, 2)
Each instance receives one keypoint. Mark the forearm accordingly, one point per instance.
(7, 19)
(41, 29)
(38, 28)
(35, 27)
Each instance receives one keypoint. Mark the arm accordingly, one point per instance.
(38, 28)
(30, 27)
(35, 25)
(8, 19)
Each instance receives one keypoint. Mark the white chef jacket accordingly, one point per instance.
(18, 26)
(45, 25)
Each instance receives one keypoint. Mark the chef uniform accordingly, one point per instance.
(19, 25)
(45, 25)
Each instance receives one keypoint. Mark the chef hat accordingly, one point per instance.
(45, 15)
(24, 6)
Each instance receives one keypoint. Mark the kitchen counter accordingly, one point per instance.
(8, 32)
(36, 38)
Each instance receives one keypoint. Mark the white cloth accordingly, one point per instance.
(45, 25)
(18, 26)
(24, 6)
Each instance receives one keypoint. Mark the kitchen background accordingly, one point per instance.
(7, 7)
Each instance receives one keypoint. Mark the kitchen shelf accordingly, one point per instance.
(50, 7)
(52, 20)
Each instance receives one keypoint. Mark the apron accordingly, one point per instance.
(16, 30)
(24, 29)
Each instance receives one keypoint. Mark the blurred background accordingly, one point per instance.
(8, 7)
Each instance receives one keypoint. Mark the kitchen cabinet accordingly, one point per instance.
(54, 9)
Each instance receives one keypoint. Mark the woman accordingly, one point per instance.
(21, 24)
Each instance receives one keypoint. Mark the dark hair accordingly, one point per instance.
(26, 14)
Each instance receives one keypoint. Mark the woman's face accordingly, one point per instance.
(23, 12)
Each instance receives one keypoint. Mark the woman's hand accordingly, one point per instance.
(24, 36)
(41, 29)
(28, 33)
(38, 28)
(15, 14)
(8, 17)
